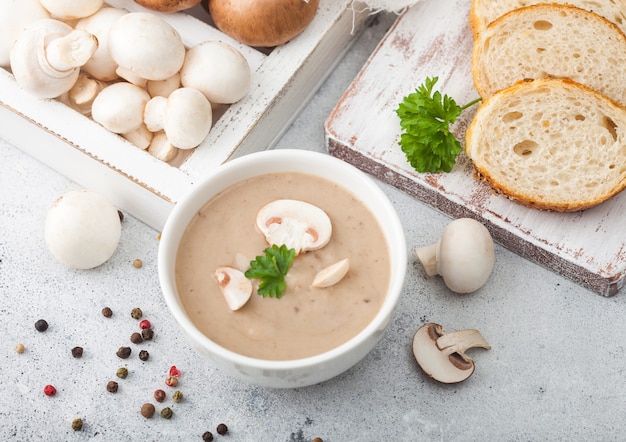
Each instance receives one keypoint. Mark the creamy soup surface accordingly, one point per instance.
(306, 321)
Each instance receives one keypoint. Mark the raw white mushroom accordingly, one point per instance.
(140, 137)
(161, 148)
(82, 229)
(71, 9)
(80, 97)
(234, 285)
(218, 70)
(185, 117)
(295, 224)
(119, 107)
(15, 16)
(332, 274)
(47, 56)
(145, 47)
(165, 87)
(101, 65)
(464, 255)
(442, 355)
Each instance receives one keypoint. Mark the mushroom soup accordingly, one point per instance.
(305, 321)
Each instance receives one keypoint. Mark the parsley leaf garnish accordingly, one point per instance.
(271, 269)
(425, 117)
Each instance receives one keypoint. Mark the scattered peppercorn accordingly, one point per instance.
(167, 413)
(207, 436)
(145, 324)
(175, 371)
(147, 410)
(41, 325)
(136, 313)
(171, 381)
(123, 352)
(159, 395)
(112, 387)
(77, 352)
(147, 334)
(77, 424)
(317, 439)
(19, 348)
(49, 390)
(122, 372)
(137, 263)
(136, 338)
(107, 312)
(222, 429)
(121, 215)
(177, 396)
(144, 355)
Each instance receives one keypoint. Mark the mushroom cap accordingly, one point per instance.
(146, 46)
(188, 117)
(119, 107)
(296, 224)
(218, 70)
(15, 17)
(82, 229)
(101, 65)
(71, 9)
(465, 255)
(436, 363)
(263, 23)
(234, 285)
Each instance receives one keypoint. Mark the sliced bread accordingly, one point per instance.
(483, 12)
(551, 41)
(550, 144)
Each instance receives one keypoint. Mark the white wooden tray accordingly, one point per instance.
(433, 39)
(282, 83)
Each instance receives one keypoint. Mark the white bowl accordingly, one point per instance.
(298, 372)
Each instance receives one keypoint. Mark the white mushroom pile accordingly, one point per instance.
(128, 71)
(295, 224)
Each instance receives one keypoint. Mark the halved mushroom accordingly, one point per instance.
(234, 285)
(296, 224)
(442, 355)
(332, 274)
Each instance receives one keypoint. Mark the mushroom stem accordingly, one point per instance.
(428, 257)
(71, 51)
(460, 341)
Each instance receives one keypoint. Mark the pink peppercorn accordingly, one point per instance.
(49, 390)
(144, 324)
(174, 371)
(171, 381)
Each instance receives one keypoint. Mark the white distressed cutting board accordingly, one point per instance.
(433, 39)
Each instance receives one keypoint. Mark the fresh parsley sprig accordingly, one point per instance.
(271, 269)
(425, 117)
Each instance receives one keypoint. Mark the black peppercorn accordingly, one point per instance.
(136, 338)
(112, 387)
(136, 313)
(167, 413)
(41, 325)
(144, 355)
(123, 352)
(207, 436)
(222, 429)
(147, 334)
(107, 312)
(147, 410)
(77, 352)
(77, 424)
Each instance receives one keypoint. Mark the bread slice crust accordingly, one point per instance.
(551, 41)
(550, 144)
(483, 12)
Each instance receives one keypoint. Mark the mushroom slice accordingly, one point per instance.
(234, 285)
(442, 356)
(296, 224)
(332, 274)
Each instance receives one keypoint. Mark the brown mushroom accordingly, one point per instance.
(167, 5)
(442, 355)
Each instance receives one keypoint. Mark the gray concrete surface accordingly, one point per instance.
(556, 370)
